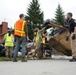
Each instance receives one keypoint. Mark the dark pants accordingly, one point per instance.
(20, 41)
(42, 48)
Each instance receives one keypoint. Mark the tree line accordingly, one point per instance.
(35, 17)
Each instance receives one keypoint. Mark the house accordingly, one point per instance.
(3, 30)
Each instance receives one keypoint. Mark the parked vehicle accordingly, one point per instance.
(2, 50)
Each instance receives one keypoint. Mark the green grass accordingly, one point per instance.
(4, 58)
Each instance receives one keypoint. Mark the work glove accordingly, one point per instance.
(67, 38)
(74, 36)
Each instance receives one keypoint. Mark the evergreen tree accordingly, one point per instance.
(34, 16)
(59, 16)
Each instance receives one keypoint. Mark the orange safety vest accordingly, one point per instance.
(19, 28)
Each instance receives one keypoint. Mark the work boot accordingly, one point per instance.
(15, 61)
(73, 60)
(25, 60)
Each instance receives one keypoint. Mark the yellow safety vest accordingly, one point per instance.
(9, 40)
(38, 37)
(43, 40)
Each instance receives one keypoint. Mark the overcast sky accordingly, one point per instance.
(10, 9)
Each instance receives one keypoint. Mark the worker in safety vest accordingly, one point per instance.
(38, 40)
(9, 43)
(20, 33)
(43, 43)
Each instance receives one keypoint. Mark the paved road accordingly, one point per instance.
(38, 67)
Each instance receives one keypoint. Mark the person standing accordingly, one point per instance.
(9, 43)
(38, 40)
(20, 32)
(43, 44)
(72, 32)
